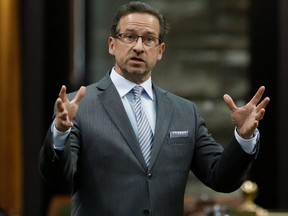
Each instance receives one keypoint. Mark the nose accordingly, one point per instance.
(139, 46)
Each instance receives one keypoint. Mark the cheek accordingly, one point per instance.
(152, 61)
(120, 54)
(121, 51)
(154, 57)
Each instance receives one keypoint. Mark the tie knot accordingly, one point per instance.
(137, 91)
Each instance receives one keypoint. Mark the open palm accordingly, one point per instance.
(66, 109)
(246, 118)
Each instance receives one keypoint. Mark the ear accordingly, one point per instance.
(161, 51)
(111, 45)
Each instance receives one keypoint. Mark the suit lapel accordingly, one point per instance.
(163, 119)
(113, 105)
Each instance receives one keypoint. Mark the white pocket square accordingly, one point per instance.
(175, 134)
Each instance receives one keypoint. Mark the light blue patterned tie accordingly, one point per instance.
(144, 130)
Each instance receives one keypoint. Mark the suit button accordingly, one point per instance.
(146, 212)
(149, 175)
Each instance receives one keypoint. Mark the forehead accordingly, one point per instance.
(140, 22)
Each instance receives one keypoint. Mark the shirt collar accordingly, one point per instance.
(124, 86)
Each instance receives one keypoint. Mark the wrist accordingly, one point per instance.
(245, 136)
(61, 127)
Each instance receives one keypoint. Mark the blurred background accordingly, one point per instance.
(214, 47)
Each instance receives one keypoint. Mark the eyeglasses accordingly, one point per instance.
(130, 38)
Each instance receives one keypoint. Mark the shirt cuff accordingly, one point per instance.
(248, 145)
(58, 137)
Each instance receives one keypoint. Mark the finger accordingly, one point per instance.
(257, 97)
(260, 114)
(263, 104)
(80, 94)
(62, 93)
(59, 105)
(230, 103)
(62, 116)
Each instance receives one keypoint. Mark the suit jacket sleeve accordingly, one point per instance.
(223, 170)
(58, 167)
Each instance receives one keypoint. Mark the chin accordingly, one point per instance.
(136, 71)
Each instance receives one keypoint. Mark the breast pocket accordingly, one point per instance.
(179, 141)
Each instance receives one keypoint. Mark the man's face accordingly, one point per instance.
(135, 61)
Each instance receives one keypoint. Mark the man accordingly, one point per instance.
(129, 155)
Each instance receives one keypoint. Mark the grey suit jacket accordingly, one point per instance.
(104, 166)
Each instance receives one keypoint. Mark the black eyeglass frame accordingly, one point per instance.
(136, 37)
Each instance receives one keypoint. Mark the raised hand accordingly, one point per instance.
(246, 118)
(66, 110)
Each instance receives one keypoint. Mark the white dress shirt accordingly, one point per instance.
(124, 88)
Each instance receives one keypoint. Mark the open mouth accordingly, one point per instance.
(138, 60)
